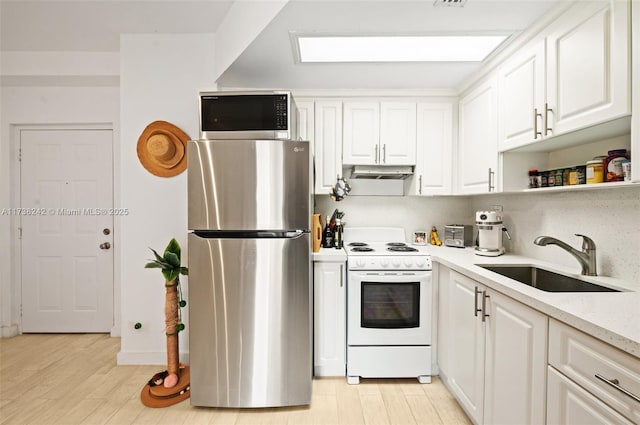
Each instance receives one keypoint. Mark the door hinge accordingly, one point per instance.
(19, 154)
(19, 232)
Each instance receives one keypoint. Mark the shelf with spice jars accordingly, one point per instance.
(598, 165)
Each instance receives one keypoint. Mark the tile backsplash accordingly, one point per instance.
(610, 217)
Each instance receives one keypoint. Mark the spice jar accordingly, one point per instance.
(613, 165)
(534, 179)
(595, 171)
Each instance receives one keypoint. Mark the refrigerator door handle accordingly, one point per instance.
(294, 234)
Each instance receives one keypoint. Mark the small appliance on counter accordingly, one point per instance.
(490, 233)
(458, 235)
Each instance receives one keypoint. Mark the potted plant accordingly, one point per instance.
(169, 264)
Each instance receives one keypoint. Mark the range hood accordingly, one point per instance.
(381, 172)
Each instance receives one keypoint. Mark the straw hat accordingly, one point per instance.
(162, 149)
(156, 395)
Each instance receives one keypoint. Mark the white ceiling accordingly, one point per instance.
(95, 25)
(269, 60)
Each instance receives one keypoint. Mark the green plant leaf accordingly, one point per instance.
(173, 247)
(184, 271)
(167, 274)
(172, 259)
(153, 265)
(158, 257)
(170, 274)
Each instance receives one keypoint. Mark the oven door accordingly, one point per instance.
(389, 308)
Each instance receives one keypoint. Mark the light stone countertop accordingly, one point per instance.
(613, 317)
(330, 255)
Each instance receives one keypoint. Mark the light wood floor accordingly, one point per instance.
(73, 379)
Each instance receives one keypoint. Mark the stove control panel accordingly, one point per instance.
(396, 262)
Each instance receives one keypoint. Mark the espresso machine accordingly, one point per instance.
(490, 231)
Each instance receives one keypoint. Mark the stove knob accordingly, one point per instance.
(419, 261)
(384, 262)
(360, 262)
(396, 262)
(408, 262)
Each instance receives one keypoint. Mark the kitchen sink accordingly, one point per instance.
(544, 279)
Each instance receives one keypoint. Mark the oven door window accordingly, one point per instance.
(390, 305)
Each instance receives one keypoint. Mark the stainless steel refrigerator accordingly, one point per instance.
(250, 329)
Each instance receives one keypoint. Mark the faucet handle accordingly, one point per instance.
(587, 242)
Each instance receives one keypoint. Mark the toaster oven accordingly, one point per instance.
(458, 235)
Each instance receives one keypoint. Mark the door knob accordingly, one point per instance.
(105, 245)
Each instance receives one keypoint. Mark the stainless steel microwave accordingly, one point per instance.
(248, 115)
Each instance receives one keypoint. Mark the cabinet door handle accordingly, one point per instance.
(475, 302)
(615, 384)
(376, 154)
(547, 129)
(384, 154)
(484, 306)
(420, 184)
(341, 274)
(536, 133)
(491, 185)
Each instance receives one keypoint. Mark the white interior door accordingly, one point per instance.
(67, 230)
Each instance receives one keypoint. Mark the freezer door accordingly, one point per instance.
(249, 185)
(250, 341)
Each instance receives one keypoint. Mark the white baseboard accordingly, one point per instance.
(147, 358)
(9, 331)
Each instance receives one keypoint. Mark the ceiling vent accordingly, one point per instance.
(459, 3)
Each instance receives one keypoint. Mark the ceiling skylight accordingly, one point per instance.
(453, 48)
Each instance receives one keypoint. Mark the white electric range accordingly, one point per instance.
(389, 305)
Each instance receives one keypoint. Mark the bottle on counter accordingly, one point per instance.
(338, 243)
(327, 235)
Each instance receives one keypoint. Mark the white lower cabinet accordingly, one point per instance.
(497, 353)
(590, 382)
(329, 318)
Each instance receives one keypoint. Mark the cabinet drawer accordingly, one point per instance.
(568, 404)
(604, 371)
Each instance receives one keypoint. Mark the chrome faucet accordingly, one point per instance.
(586, 257)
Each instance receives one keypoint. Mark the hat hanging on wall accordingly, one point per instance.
(162, 149)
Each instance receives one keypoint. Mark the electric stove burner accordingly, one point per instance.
(396, 244)
(358, 244)
(401, 248)
(361, 249)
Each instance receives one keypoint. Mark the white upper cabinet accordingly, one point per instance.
(521, 97)
(306, 119)
(398, 133)
(433, 173)
(379, 133)
(361, 133)
(575, 76)
(477, 139)
(588, 65)
(328, 144)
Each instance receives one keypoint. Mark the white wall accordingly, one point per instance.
(160, 76)
(35, 106)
